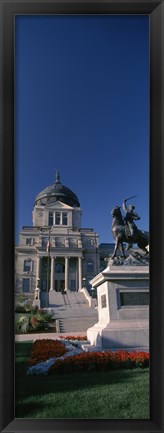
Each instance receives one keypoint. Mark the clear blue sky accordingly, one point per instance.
(82, 107)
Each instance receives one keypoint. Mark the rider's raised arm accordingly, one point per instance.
(124, 206)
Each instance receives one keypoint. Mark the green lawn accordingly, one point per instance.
(112, 394)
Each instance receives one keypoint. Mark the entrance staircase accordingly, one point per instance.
(72, 311)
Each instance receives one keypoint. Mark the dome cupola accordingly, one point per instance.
(57, 192)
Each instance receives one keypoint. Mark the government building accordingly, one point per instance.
(56, 253)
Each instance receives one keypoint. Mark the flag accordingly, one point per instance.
(48, 246)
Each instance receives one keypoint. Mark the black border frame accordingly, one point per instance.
(155, 10)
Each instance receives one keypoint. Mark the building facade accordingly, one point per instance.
(56, 253)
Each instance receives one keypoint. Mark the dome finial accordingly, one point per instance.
(57, 174)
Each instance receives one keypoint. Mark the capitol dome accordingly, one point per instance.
(57, 192)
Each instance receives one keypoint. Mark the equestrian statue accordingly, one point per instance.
(124, 229)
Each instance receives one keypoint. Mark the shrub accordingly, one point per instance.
(20, 308)
(43, 316)
(20, 297)
(39, 320)
(25, 308)
(23, 325)
(31, 308)
(34, 323)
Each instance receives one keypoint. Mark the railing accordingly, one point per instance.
(57, 326)
(92, 302)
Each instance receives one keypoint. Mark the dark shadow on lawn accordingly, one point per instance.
(30, 409)
(40, 385)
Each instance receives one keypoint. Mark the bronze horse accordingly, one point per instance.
(120, 234)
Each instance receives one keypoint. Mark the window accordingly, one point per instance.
(29, 241)
(64, 218)
(27, 265)
(61, 218)
(57, 218)
(89, 267)
(59, 268)
(44, 241)
(26, 284)
(50, 219)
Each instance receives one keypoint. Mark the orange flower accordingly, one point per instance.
(100, 360)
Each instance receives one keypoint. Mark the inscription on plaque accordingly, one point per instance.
(134, 299)
(103, 301)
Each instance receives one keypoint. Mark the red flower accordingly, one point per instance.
(45, 349)
(72, 337)
(101, 360)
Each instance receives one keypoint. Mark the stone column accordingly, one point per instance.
(38, 269)
(52, 273)
(36, 300)
(80, 272)
(66, 273)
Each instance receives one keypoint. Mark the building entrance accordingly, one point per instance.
(59, 285)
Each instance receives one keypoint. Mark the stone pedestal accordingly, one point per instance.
(36, 303)
(123, 308)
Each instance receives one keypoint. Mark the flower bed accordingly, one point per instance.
(34, 320)
(52, 356)
(101, 361)
(42, 350)
(72, 337)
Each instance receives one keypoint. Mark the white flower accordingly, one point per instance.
(43, 367)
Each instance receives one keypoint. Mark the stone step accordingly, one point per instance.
(75, 325)
(76, 297)
(70, 299)
(66, 315)
(72, 310)
(76, 320)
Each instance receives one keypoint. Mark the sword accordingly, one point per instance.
(126, 199)
(133, 196)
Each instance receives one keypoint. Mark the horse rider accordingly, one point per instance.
(129, 219)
